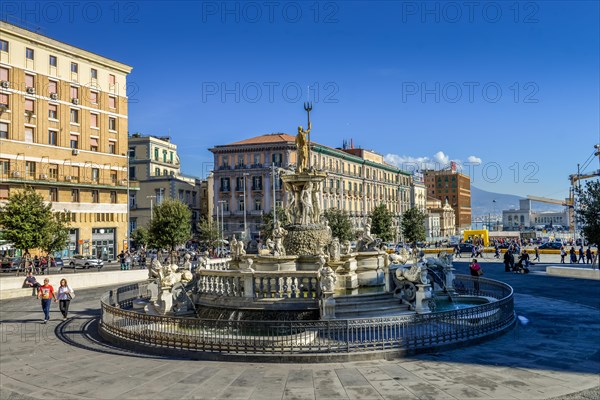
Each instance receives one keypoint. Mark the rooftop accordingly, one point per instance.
(267, 138)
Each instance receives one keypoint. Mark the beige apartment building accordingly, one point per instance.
(154, 163)
(358, 180)
(444, 212)
(63, 131)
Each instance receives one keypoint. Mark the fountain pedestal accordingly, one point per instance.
(345, 270)
(370, 268)
(423, 295)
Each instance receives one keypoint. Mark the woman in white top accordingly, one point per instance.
(64, 295)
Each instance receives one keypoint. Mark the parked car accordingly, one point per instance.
(551, 245)
(11, 264)
(465, 247)
(81, 261)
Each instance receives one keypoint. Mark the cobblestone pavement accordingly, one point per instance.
(555, 356)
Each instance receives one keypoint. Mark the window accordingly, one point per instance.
(112, 124)
(95, 174)
(52, 61)
(75, 195)
(3, 130)
(165, 172)
(53, 171)
(171, 157)
(94, 120)
(29, 53)
(257, 183)
(74, 92)
(52, 87)
(256, 159)
(225, 185)
(52, 137)
(29, 105)
(112, 102)
(132, 152)
(156, 153)
(29, 135)
(75, 174)
(257, 205)
(95, 196)
(94, 97)
(131, 172)
(29, 81)
(74, 116)
(113, 197)
(53, 194)
(93, 145)
(30, 169)
(74, 141)
(94, 73)
(3, 192)
(241, 204)
(4, 167)
(164, 156)
(74, 67)
(4, 100)
(111, 79)
(156, 171)
(112, 147)
(4, 45)
(113, 178)
(52, 111)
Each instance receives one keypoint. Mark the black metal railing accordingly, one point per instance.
(410, 332)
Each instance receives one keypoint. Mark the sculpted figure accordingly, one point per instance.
(316, 204)
(187, 265)
(154, 270)
(291, 209)
(278, 234)
(241, 251)
(302, 148)
(346, 247)
(306, 201)
(327, 276)
(334, 250)
(233, 245)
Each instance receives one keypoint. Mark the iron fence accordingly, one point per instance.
(403, 332)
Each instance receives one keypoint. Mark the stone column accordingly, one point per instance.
(327, 306)
(449, 275)
(423, 296)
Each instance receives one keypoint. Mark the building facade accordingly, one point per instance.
(154, 163)
(456, 188)
(526, 218)
(358, 180)
(446, 215)
(63, 131)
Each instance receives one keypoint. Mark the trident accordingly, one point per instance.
(308, 108)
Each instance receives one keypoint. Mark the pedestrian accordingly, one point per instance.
(476, 272)
(537, 254)
(563, 254)
(36, 264)
(46, 294)
(122, 259)
(497, 251)
(31, 282)
(65, 295)
(457, 251)
(581, 255)
(588, 255)
(573, 255)
(127, 261)
(507, 261)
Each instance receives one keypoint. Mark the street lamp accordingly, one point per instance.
(273, 176)
(222, 223)
(244, 175)
(495, 218)
(151, 205)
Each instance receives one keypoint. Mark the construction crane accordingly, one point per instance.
(577, 177)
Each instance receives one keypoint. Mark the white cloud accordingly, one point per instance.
(439, 160)
(474, 160)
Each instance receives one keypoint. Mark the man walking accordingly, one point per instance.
(46, 294)
(581, 255)
(537, 254)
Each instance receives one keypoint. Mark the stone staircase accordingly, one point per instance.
(368, 306)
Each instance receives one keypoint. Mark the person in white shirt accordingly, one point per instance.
(65, 295)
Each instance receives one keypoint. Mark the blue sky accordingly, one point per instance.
(513, 85)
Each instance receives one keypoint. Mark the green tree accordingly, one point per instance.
(208, 232)
(588, 212)
(141, 237)
(267, 222)
(170, 226)
(56, 237)
(340, 224)
(25, 220)
(382, 223)
(413, 225)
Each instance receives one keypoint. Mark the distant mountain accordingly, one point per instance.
(482, 203)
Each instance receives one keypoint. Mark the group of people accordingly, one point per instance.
(46, 294)
(585, 256)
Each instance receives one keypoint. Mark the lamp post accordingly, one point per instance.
(222, 223)
(244, 175)
(273, 176)
(496, 219)
(151, 205)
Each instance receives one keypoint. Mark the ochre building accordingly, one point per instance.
(63, 131)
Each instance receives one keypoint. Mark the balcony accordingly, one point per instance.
(257, 188)
(240, 166)
(226, 189)
(256, 166)
(224, 167)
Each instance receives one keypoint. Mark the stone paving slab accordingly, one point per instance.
(556, 354)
